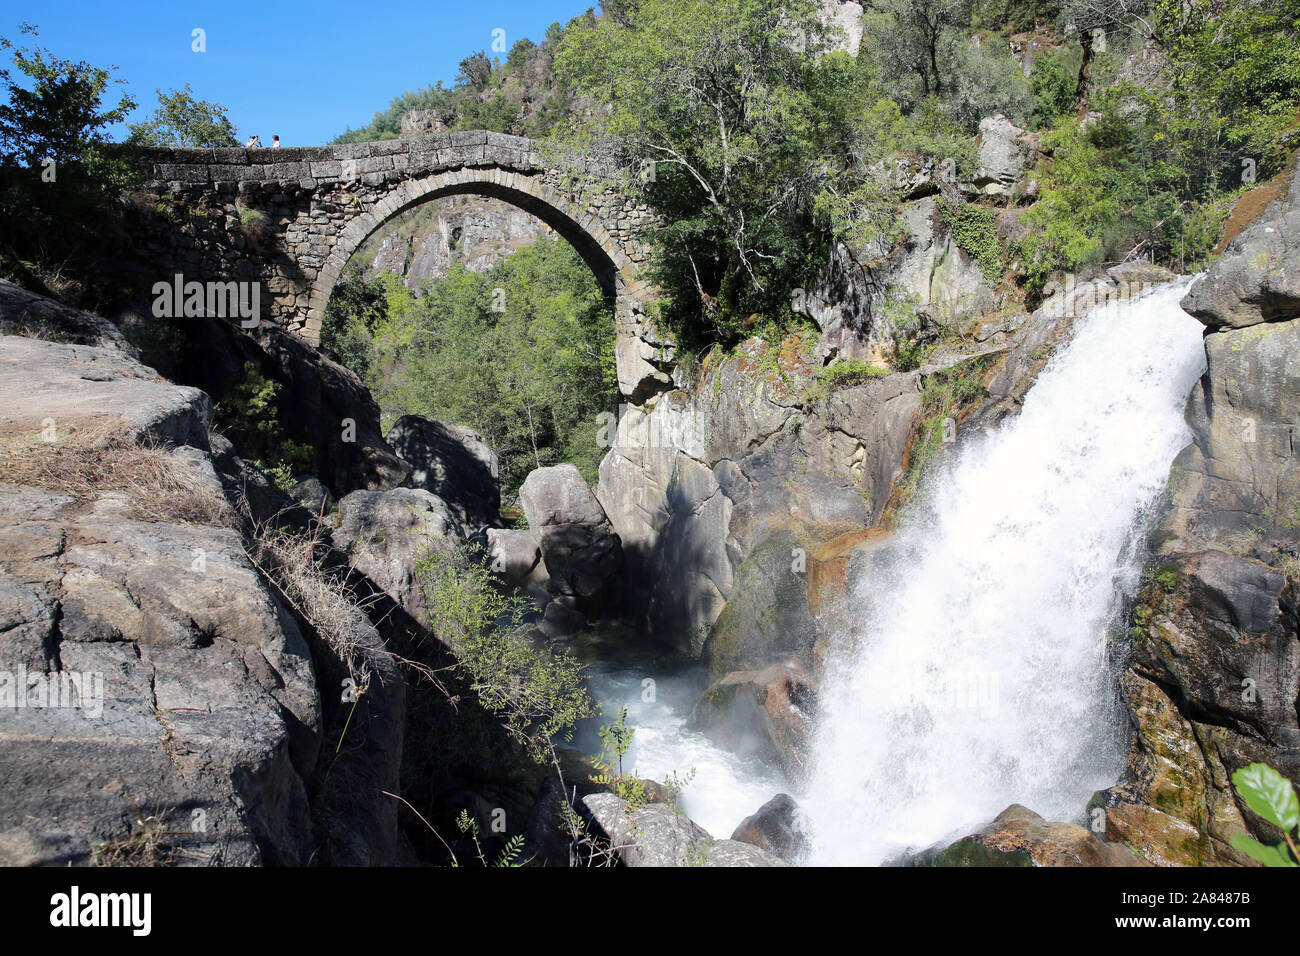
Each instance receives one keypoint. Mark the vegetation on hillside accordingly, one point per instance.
(766, 146)
(520, 95)
(1147, 168)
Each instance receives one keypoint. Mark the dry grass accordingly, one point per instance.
(96, 455)
(299, 565)
(149, 842)
(145, 846)
(1288, 564)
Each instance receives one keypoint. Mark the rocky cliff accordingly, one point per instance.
(473, 230)
(153, 683)
(1214, 670)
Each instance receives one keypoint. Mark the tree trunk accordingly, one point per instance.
(1084, 84)
(934, 64)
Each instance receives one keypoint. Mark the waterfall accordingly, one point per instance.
(976, 675)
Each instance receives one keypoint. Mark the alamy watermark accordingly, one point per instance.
(192, 299)
(975, 693)
(71, 690)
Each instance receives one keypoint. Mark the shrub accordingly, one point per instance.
(844, 373)
(974, 229)
(1052, 86)
(537, 694)
(249, 416)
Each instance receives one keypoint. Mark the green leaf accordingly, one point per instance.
(1275, 855)
(1269, 794)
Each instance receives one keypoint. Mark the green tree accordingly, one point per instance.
(918, 38)
(520, 54)
(746, 115)
(182, 120)
(59, 112)
(522, 353)
(56, 178)
(475, 72)
(1090, 21)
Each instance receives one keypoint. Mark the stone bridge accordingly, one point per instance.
(290, 218)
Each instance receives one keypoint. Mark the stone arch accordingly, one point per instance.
(584, 232)
(319, 203)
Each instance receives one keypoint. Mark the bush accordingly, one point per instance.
(249, 416)
(538, 694)
(1052, 86)
(974, 229)
(1272, 797)
(844, 373)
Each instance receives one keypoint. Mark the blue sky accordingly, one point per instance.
(306, 71)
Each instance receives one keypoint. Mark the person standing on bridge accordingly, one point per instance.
(252, 141)
(275, 142)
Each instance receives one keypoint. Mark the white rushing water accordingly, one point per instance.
(725, 787)
(980, 678)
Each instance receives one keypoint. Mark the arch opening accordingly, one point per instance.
(588, 238)
(532, 377)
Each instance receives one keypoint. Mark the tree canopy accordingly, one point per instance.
(523, 353)
(182, 120)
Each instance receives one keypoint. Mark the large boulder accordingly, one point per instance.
(866, 299)
(691, 574)
(844, 17)
(1238, 483)
(779, 827)
(1005, 150)
(31, 315)
(582, 553)
(1256, 279)
(695, 484)
(386, 534)
(767, 714)
(661, 835)
(1020, 837)
(158, 701)
(1175, 803)
(49, 384)
(452, 462)
(1222, 630)
(516, 557)
(768, 616)
(162, 683)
